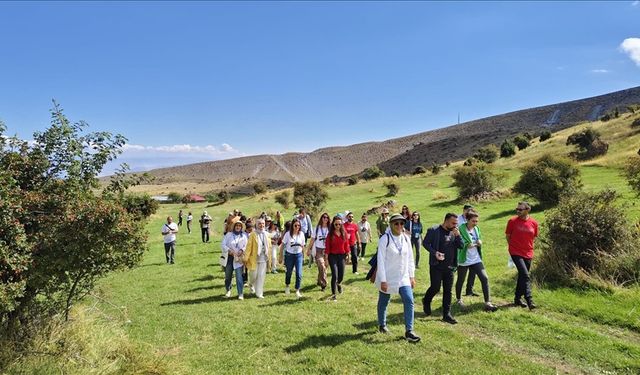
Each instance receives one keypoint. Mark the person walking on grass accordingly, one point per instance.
(258, 257)
(336, 249)
(189, 220)
(293, 244)
(234, 245)
(470, 258)
(442, 241)
(471, 279)
(413, 228)
(180, 218)
(383, 222)
(205, 222)
(354, 240)
(396, 274)
(365, 234)
(274, 234)
(521, 232)
(318, 238)
(169, 230)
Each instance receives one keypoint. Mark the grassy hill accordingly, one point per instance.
(179, 312)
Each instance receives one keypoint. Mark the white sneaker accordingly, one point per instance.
(287, 291)
(261, 296)
(298, 294)
(253, 289)
(228, 294)
(241, 297)
(460, 303)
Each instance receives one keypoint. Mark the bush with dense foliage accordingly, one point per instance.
(587, 237)
(352, 180)
(589, 144)
(548, 178)
(487, 154)
(260, 188)
(521, 142)
(475, 179)
(545, 135)
(635, 123)
(632, 173)
(372, 173)
(435, 168)
(224, 196)
(392, 188)
(507, 149)
(419, 170)
(283, 198)
(174, 197)
(140, 205)
(310, 195)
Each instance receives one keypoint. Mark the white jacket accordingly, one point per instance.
(395, 262)
(232, 242)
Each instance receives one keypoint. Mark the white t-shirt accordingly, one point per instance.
(364, 229)
(170, 237)
(319, 235)
(473, 256)
(295, 244)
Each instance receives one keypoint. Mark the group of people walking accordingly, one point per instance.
(252, 249)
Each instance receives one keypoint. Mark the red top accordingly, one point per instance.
(352, 230)
(336, 245)
(521, 234)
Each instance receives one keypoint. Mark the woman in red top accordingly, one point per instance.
(336, 248)
(521, 232)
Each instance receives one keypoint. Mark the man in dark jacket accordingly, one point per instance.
(442, 242)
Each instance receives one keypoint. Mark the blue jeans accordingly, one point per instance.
(239, 280)
(290, 261)
(406, 293)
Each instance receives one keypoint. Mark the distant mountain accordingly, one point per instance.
(400, 154)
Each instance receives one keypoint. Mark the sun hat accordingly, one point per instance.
(397, 217)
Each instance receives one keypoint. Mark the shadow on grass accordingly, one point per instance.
(445, 204)
(209, 287)
(286, 302)
(203, 278)
(197, 301)
(318, 341)
(151, 264)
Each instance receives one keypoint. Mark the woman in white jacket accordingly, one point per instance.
(234, 245)
(396, 274)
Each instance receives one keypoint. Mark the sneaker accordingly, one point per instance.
(472, 294)
(530, 304)
(411, 336)
(426, 307)
(287, 291)
(260, 296)
(383, 329)
(334, 298)
(322, 289)
(490, 307)
(298, 294)
(274, 271)
(228, 294)
(241, 297)
(339, 289)
(356, 273)
(449, 319)
(460, 304)
(253, 289)
(518, 302)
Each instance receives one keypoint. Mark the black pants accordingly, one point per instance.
(179, 221)
(363, 245)
(471, 280)
(336, 263)
(354, 258)
(205, 234)
(189, 226)
(170, 251)
(439, 276)
(478, 269)
(416, 245)
(523, 287)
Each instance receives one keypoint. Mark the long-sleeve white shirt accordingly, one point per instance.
(236, 243)
(395, 262)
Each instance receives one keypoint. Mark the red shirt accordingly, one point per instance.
(352, 230)
(521, 234)
(336, 245)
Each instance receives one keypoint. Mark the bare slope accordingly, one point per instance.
(399, 154)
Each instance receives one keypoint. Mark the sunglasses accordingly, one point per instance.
(337, 225)
(297, 226)
(521, 209)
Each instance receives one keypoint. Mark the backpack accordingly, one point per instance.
(373, 262)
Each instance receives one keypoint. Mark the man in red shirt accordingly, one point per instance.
(521, 232)
(354, 240)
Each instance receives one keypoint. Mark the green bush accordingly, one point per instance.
(589, 144)
(545, 135)
(487, 154)
(174, 197)
(140, 205)
(521, 142)
(224, 196)
(392, 188)
(419, 170)
(507, 149)
(260, 188)
(632, 173)
(310, 195)
(588, 234)
(635, 123)
(548, 178)
(470, 161)
(352, 180)
(284, 199)
(372, 173)
(475, 179)
(394, 173)
(435, 168)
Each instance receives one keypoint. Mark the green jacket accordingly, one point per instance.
(466, 240)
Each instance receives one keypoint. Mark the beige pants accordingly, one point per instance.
(257, 278)
(322, 268)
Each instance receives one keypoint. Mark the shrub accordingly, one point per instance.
(435, 168)
(392, 188)
(224, 196)
(140, 205)
(470, 161)
(548, 178)
(475, 179)
(309, 195)
(632, 173)
(589, 144)
(394, 173)
(372, 173)
(588, 234)
(447, 164)
(174, 197)
(528, 135)
(419, 170)
(521, 142)
(352, 180)
(507, 149)
(635, 123)
(487, 154)
(284, 199)
(545, 135)
(260, 188)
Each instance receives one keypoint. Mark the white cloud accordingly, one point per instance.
(631, 46)
(599, 71)
(635, 3)
(180, 149)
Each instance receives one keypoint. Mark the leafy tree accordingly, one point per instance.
(310, 195)
(419, 170)
(224, 196)
(352, 180)
(507, 149)
(589, 144)
(521, 142)
(475, 179)
(284, 199)
(58, 235)
(549, 178)
(260, 187)
(392, 188)
(435, 168)
(487, 154)
(140, 205)
(174, 197)
(632, 173)
(545, 135)
(372, 173)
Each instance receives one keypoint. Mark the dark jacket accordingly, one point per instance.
(442, 240)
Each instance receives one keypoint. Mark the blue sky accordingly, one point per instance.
(195, 81)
